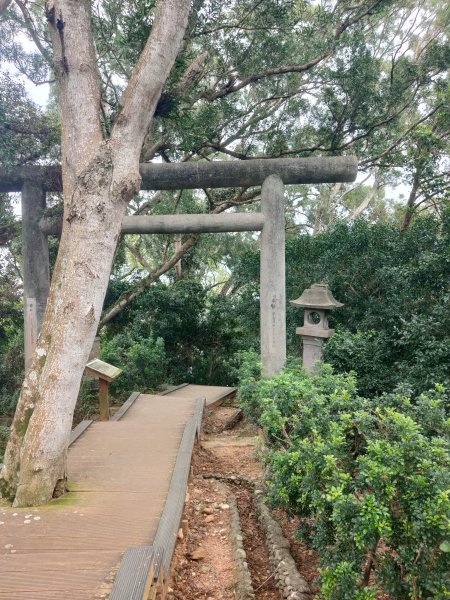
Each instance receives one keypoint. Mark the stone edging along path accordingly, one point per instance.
(288, 580)
(291, 584)
(244, 588)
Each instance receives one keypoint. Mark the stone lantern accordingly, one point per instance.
(317, 301)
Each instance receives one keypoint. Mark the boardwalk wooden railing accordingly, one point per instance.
(135, 576)
(125, 406)
(133, 568)
(169, 523)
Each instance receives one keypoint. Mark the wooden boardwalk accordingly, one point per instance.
(119, 474)
(211, 393)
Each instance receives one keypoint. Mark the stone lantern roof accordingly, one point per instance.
(317, 296)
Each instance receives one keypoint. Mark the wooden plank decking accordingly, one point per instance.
(213, 394)
(119, 474)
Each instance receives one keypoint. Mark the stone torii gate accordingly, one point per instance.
(272, 174)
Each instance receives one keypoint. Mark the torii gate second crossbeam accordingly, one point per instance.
(272, 174)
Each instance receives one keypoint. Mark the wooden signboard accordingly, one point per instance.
(105, 373)
(103, 370)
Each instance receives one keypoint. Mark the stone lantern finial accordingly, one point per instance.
(317, 301)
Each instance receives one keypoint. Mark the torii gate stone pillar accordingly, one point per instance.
(272, 278)
(36, 272)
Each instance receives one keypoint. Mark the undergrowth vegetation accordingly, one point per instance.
(174, 333)
(142, 359)
(368, 479)
(393, 329)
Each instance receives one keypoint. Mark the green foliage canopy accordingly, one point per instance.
(394, 328)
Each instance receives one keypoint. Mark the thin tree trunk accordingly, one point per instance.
(367, 200)
(226, 287)
(127, 297)
(410, 205)
(178, 267)
(326, 198)
(99, 178)
(122, 302)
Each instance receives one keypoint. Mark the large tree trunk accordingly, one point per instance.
(99, 178)
(35, 457)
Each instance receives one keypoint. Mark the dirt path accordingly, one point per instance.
(204, 556)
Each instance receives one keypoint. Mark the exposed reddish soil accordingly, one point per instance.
(204, 561)
(221, 419)
(254, 544)
(203, 558)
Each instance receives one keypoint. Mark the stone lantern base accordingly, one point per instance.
(312, 353)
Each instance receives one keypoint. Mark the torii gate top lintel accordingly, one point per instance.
(203, 174)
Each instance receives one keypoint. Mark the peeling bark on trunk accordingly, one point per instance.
(99, 178)
(69, 328)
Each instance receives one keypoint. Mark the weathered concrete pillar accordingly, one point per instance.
(36, 272)
(273, 286)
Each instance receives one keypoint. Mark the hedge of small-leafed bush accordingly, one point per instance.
(369, 480)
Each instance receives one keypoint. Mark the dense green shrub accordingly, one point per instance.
(142, 360)
(201, 331)
(416, 353)
(370, 482)
(367, 352)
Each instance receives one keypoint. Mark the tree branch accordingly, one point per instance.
(78, 81)
(367, 200)
(134, 250)
(401, 138)
(32, 31)
(233, 87)
(153, 276)
(128, 296)
(144, 88)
